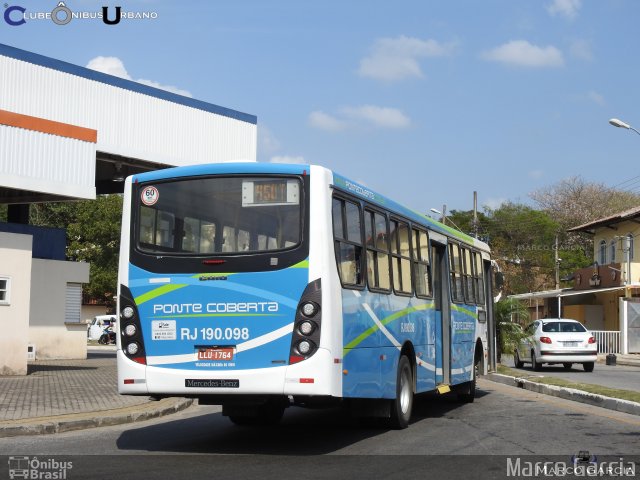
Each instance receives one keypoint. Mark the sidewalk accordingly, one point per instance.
(63, 395)
(624, 375)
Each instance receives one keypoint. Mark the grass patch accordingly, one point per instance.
(559, 382)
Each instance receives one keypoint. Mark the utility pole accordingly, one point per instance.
(557, 261)
(475, 214)
(627, 257)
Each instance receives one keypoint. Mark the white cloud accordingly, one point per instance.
(596, 98)
(393, 59)
(288, 159)
(109, 65)
(581, 49)
(382, 117)
(168, 88)
(114, 66)
(359, 117)
(267, 143)
(324, 121)
(523, 54)
(565, 8)
(493, 203)
(536, 174)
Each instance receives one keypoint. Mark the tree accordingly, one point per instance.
(93, 235)
(510, 314)
(572, 201)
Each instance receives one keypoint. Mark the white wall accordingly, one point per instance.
(15, 262)
(47, 329)
(129, 122)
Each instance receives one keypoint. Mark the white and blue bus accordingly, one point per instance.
(258, 286)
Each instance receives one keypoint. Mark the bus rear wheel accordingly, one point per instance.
(402, 405)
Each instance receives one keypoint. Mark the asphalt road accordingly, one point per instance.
(456, 441)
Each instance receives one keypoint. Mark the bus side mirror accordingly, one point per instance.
(499, 280)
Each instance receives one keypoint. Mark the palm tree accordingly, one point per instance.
(509, 313)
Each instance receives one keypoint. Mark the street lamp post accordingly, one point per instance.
(620, 124)
(444, 219)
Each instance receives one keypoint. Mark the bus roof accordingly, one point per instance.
(339, 181)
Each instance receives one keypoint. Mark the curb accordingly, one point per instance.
(81, 421)
(609, 403)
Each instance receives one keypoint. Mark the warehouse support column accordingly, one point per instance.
(18, 213)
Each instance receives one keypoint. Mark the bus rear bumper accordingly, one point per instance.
(313, 376)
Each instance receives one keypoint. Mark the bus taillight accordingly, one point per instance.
(130, 331)
(306, 333)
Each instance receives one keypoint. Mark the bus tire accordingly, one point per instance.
(402, 405)
(468, 393)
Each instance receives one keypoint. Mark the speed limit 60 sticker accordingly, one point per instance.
(149, 195)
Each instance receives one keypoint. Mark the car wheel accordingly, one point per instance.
(402, 405)
(567, 365)
(516, 360)
(588, 366)
(537, 366)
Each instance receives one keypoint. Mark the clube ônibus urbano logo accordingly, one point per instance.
(61, 13)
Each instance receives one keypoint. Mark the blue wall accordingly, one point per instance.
(48, 243)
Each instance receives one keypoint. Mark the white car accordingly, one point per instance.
(98, 324)
(557, 340)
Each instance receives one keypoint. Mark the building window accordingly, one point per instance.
(612, 249)
(630, 245)
(5, 290)
(603, 252)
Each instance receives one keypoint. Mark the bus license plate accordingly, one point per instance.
(225, 354)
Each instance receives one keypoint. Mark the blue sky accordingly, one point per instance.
(424, 101)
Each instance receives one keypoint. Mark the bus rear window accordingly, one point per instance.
(219, 215)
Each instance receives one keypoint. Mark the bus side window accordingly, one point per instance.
(479, 278)
(376, 239)
(207, 237)
(147, 225)
(469, 283)
(400, 257)
(422, 267)
(348, 242)
(457, 289)
(165, 227)
(229, 239)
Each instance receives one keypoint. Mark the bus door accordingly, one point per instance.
(442, 308)
(491, 321)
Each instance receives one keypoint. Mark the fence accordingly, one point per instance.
(608, 340)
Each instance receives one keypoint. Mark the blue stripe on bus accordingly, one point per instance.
(217, 314)
(242, 168)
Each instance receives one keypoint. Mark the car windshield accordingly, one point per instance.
(567, 327)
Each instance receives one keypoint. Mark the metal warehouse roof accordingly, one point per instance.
(68, 132)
